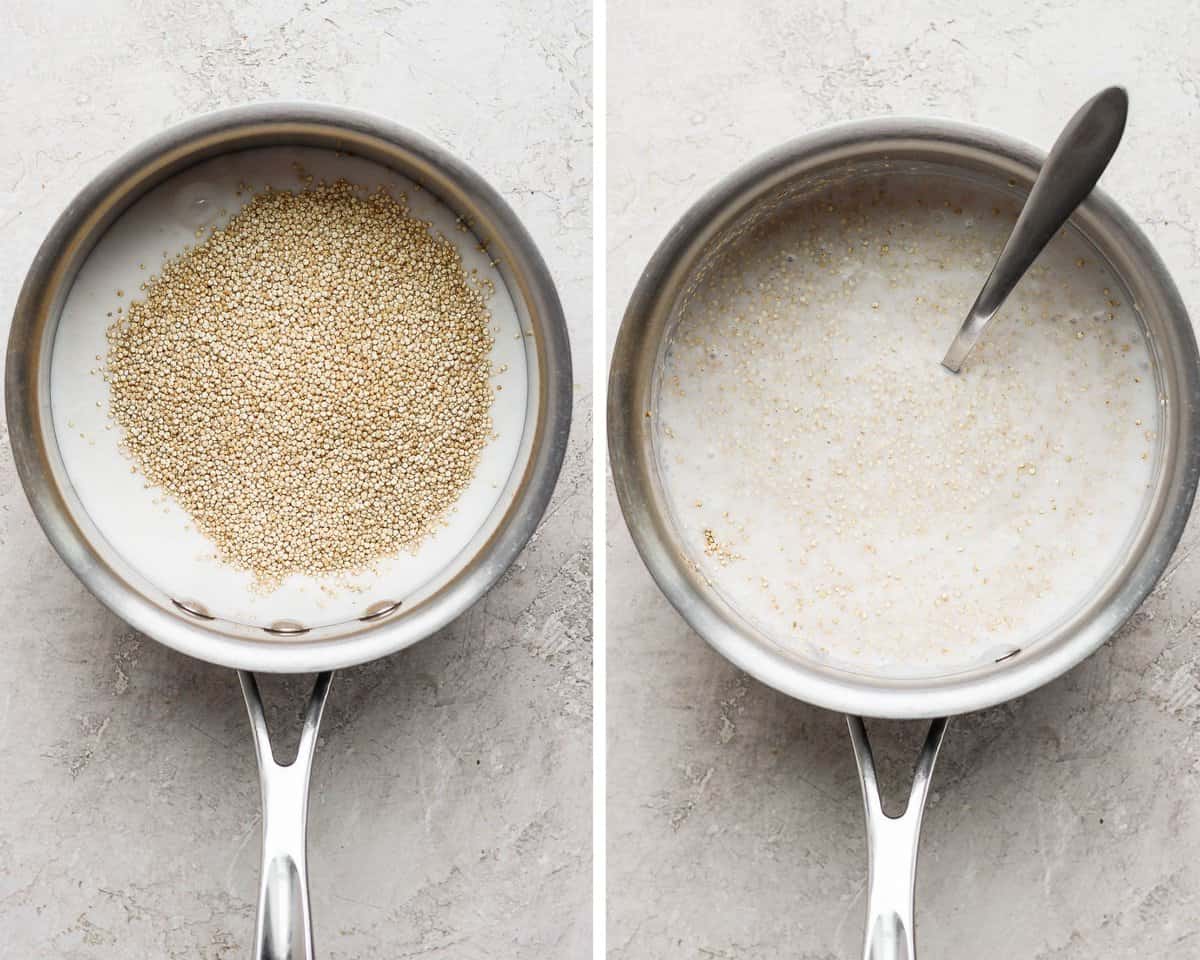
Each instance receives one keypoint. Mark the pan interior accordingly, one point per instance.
(151, 534)
(721, 506)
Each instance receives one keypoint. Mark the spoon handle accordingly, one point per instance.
(1075, 163)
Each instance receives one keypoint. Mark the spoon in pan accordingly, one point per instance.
(1075, 163)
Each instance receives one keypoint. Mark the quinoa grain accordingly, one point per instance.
(310, 382)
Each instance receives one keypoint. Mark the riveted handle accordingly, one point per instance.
(892, 847)
(283, 930)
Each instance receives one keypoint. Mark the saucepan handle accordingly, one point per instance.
(283, 930)
(892, 847)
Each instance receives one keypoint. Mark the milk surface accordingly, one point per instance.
(150, 530)
(852, 498)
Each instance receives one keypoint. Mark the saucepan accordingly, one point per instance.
(135, 573)
(732, 208)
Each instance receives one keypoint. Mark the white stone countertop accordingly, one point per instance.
(450, 807)
(1062, 826)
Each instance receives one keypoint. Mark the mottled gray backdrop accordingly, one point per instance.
(451, 799)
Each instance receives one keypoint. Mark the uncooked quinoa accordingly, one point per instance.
(310, 382)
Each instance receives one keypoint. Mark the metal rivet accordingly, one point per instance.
(286, 628)
(194, 608)
(379, 610)
(1011, 653)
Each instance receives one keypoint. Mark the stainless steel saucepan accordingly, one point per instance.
(387, 619)
(737, 204)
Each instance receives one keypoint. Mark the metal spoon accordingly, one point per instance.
(1075, 163)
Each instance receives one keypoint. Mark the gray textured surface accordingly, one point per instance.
(1061, 826)
(451, 796)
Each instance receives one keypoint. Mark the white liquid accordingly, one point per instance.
(852, 498)
(158, 539)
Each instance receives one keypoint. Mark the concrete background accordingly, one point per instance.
(451, 792)
(1063, 826)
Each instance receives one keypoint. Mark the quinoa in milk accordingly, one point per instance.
(851, 497)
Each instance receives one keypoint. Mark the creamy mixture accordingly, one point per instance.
(851, 497)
